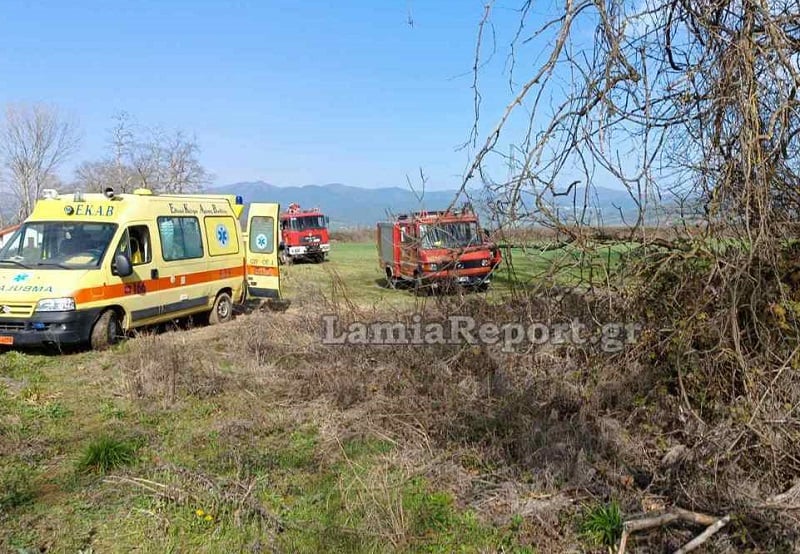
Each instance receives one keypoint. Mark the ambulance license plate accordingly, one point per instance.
(7, 340)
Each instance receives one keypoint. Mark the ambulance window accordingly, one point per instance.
(180, 238)
(136, 244)
(262, 237)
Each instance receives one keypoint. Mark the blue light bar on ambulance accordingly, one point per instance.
(239, 200)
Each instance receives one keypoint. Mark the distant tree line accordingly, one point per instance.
(36, 140)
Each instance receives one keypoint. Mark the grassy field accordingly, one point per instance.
(215, 461)
(212, 439)
(353, 268)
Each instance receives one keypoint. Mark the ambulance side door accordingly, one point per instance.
(261, 250)
(184, 266)
(139, 289)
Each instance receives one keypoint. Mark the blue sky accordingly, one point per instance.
(286, 91)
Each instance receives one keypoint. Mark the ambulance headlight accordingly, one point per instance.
(55, 305)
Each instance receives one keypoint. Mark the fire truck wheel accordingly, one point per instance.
(222, 310)
(106, 331)
(391, 282)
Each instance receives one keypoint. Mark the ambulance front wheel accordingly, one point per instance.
(106, 331)
(222, 310)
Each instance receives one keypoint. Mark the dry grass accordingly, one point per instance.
(550, 421)
(538, 434)
(167, 367)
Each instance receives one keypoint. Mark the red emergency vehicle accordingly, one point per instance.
(304, 234)
(430, 249)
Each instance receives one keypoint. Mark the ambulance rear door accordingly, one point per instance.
(262, 239)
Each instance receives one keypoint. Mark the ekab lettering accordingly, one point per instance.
(89, 210)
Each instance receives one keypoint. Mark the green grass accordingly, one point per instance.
(15, 486)
(602, 524)
(62, 417)
(66, 420)
(105, 453)
(355, 265)
(66, 428)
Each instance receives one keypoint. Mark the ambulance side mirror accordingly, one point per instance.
(121, 266)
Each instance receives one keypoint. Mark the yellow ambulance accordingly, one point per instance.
(86, 268)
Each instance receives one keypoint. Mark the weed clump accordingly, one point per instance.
(15, 487)
(105, 453)
(602, 524)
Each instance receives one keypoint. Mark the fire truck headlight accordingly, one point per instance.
(55, 305)
(485, 262)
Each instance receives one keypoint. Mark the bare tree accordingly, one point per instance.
(122, 142)
(147, 158)
(184, 172)
(96, 176)
(34, 142)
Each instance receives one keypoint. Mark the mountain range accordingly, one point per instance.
(349, 206)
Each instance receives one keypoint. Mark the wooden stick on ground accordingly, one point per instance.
(703, 537)
(675, 514)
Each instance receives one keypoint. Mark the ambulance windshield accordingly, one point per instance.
(58, 245)
(449, 235)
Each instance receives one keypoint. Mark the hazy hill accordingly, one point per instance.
(346, 206)
(350, 206)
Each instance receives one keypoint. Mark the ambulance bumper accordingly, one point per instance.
(44, 328)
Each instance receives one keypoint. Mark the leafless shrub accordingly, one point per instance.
(693, 103)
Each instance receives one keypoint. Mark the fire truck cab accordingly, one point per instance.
(304, 234)
(429, 249)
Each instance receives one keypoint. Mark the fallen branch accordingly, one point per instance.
(675, 514)
(703, 537)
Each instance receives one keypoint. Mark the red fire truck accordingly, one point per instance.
(429, 249)
(304, 234)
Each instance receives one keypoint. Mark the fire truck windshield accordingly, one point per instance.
(449, 235)
(306, 222)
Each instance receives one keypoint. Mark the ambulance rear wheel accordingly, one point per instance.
(222, 310)
(106, 331)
